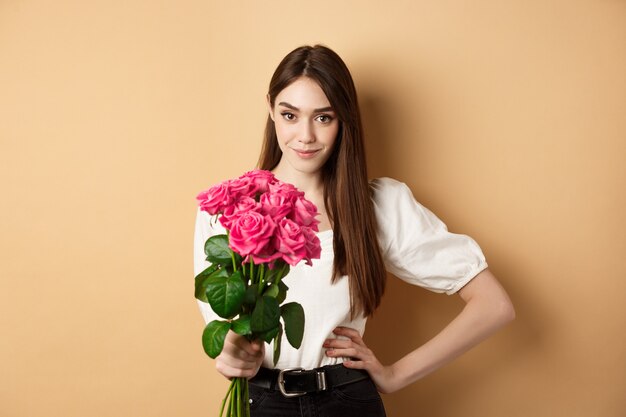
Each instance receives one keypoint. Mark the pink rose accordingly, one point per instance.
(232, 212)
(251, 233)
(286, 189)
(276, 205)
(261, 179)
(304, 213)
(266, 255)
(290, 242)
(312, 245)
(242, 187)
(215, 198)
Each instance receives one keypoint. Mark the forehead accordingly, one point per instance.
(303, 93)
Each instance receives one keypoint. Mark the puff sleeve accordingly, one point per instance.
(417, 246)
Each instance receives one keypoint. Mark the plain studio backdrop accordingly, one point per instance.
(506, 118)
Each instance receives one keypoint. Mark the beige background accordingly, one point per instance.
(507, 119)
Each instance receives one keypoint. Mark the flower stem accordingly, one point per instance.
(231, 406)
(234, 399)
(232, 254)
(246, 402)
(262, 279)
(240, 400)
(263, 273)
(229, 392)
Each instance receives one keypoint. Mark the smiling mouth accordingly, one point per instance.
(306, 154)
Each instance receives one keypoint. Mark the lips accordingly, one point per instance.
(306, 154)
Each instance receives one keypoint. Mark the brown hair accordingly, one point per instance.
(347, 194)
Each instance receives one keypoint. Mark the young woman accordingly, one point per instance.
(314, 140)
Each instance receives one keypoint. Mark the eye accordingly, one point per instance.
(288, 116)
(324, 118)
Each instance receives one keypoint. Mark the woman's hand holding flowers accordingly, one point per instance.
(240, 358)
(270, 226)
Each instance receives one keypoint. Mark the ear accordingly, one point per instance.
(269, 106)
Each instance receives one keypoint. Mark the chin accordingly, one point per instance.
(308, 169)
(307, 166)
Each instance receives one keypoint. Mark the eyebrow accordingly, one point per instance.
(292, 107)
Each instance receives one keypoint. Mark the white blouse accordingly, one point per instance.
(416, 247)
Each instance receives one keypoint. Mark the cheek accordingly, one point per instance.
(282, 132)
(331, 138)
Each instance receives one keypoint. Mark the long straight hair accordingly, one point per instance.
(347, 194)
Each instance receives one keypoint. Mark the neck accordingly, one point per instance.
(311, 184)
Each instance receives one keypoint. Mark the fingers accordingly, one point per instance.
(347, 348)
(352, 334)
(344, 353)
(240, 357)
(354, 348)
(356, 365)
(235, 372)
(234, 341)
(354, 338)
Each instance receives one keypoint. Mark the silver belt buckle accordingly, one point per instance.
(281, 383)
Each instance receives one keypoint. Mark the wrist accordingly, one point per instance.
(396, 378)
(402, 373)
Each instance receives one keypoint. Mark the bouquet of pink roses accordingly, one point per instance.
(270, 226)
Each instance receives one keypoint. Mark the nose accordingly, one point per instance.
(306, 133)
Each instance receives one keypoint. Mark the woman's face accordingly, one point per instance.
(306, 126)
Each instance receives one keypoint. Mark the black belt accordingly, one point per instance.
(297, 382)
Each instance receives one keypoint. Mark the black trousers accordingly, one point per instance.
(359, 399)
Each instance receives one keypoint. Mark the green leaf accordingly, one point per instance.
(201, 282)
(217, 250)
(225, 294)
(213, 337)
(271, 275)
(266, 315)
(293, 316)
(272, 291)
(242, 325)
(268, 335)
(278, 273)
(277, 342)
(252, 292)
(284, 271)
(282, 292)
